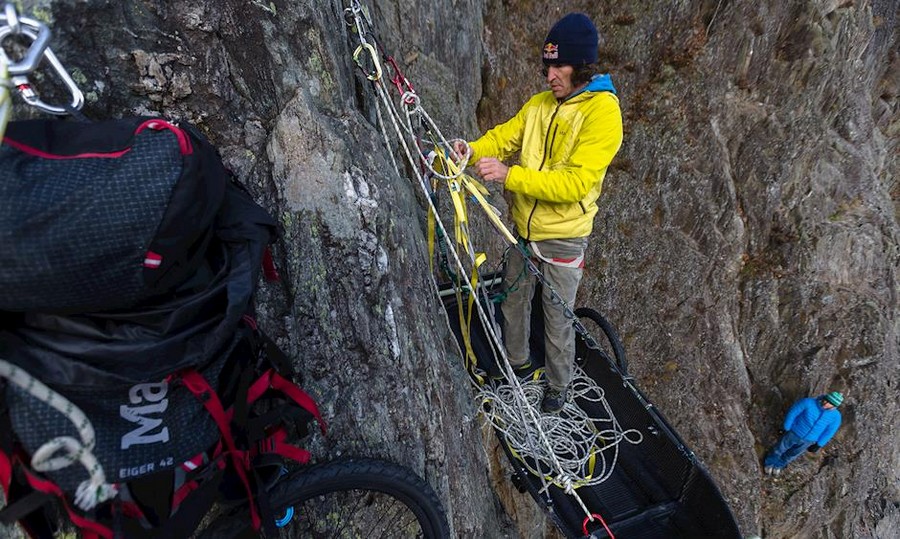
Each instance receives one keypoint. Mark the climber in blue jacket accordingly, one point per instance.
(808, 426)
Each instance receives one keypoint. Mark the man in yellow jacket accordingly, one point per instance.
(567, 137)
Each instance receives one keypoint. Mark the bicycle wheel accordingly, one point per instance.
(612, 337)
(351, 498)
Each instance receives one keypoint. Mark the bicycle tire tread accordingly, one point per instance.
(353, 473)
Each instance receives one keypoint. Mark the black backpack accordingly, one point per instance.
(187, 398)
(100, 216)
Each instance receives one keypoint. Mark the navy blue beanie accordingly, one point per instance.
(573, 41)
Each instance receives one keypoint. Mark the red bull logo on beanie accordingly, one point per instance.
(551, 51)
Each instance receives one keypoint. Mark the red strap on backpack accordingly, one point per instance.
(277, 443)
(89, 528)
(201, 389)
(269, 269)
(272, 380)
(5, 473)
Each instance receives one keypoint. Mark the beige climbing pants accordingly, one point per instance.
(559, 335)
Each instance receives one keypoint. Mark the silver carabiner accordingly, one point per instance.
(14, 26)
(40, 35)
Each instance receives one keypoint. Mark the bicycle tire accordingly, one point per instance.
(387, 489)
(612, 337)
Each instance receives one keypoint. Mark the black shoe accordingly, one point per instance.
(524, 369)
(554, 400)
(521, 371)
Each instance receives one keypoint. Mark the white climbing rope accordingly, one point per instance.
(585, 447)
(409, 98)
(571, 449)
(63, 451)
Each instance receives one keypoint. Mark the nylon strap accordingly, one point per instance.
(89, 527)
(5, 473)
(480, 258)
(24, 506)
(201, 389)
(460, 227)
(431, 234)
(273, 380)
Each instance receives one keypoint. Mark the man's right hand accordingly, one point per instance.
(492, 169)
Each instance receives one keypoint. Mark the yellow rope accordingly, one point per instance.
(5, 101)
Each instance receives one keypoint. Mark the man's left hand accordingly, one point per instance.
(492, 169)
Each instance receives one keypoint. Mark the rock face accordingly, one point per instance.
(747, 247)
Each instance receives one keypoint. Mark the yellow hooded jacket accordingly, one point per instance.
(566, 148)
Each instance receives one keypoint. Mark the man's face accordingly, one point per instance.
(827, 405)
(559, 77)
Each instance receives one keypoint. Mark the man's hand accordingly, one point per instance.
(491, 169)
(813, 448)
(460, 148)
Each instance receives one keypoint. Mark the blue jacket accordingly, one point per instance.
(812, 422)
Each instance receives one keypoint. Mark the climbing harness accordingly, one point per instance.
(569, 450)
(11, 25)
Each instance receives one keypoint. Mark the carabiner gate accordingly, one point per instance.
(375, 73)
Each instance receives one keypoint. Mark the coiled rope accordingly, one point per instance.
(46, 458)
(584, 446)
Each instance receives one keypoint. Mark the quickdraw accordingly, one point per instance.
(400, 81)
(374, 73)
(11, 24)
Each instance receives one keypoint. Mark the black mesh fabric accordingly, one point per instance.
(111, 365)
(135, 436)
(74, 232)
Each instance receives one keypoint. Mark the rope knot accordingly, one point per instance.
(91, 493)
